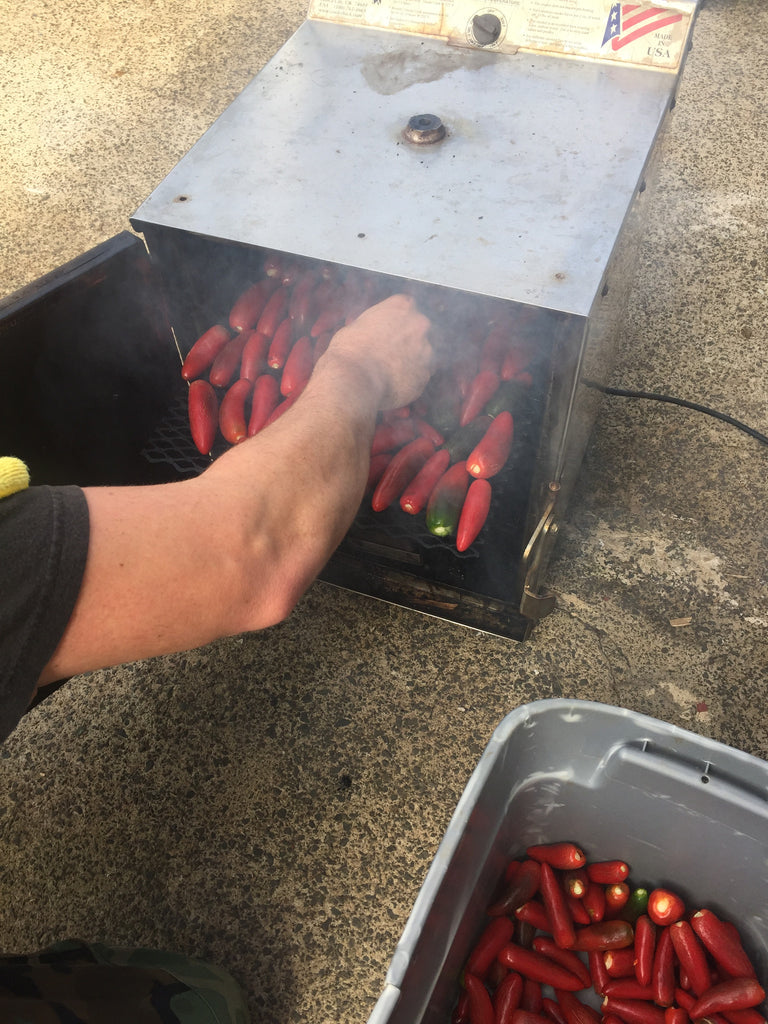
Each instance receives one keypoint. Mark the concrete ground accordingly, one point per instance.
(272, 802)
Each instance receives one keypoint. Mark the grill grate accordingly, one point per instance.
(171, 444)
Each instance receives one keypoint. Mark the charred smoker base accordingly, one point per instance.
(480, 176)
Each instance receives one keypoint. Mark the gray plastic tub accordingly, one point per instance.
(682, 810)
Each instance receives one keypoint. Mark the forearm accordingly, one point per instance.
(298, 485)
(175, 566)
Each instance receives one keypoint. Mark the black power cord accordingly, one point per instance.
(671, 400)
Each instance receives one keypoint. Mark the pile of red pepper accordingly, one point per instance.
(436, 456)
(561, 925)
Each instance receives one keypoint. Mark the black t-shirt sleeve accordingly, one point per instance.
(43, 548)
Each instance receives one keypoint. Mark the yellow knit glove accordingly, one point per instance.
(14, 476)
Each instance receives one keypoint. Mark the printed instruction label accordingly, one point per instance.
(648, 34)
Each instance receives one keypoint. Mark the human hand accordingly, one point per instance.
(390, 342)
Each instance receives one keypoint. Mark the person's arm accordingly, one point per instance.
(175, 566)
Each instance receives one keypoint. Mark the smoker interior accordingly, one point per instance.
(87, 368)
(391, 554)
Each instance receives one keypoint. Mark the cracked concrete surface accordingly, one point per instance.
(272, 802)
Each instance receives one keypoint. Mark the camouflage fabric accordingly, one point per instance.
(88, 983)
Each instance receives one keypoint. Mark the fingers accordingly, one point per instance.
(393, 341)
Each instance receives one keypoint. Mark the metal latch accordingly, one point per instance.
(534, 604)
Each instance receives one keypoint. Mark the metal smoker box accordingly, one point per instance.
(682, 810)
(479, 156)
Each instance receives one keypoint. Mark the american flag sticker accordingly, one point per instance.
(628, 23)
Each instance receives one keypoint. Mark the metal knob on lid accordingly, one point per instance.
(424, 129)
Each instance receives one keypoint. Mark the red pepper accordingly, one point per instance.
(203, 411)
(663, 971)
(749, 1016)
(253, 361)
(474, 513)
(645, 947)
(376, 467)
(532, 996)
(273, 265)
(604, 935)
(724, 947)
(463, 374)
(233, 422)
(298, 368)
(400, 472)
(481, 390)
(480, 1005)
(564, 856)
(493, 349)
(594, 901)
(507, 997)
(675, 1015)
(274, 312)
(202, 354)
(540, 968)
(283, 407)
(597, 970)
(280, 344)
(620, 963)
(246, 311)
(496, 935)
(627, 988)
(612, 1018)
(389, 436)
(692, 956)
(331, 315)
(461, 1010)
(579, 912)
(292, 271)
(521, 1016)
(734, 994)
(491, 453)
(665, 907)
(427, 430)
(416, 494)
(616, 898)
(575, 882)
(511, 869)
(565, 957)
(298, 304)
(227, 362)
(533, 912)
(524, 933)
(523, 887)
(496, 974)
(553, 896)
(516, 361)
(633, 1011)
(575, 1011)
(266, 395)
(607, 872)
(683, 998)
(553, 1010)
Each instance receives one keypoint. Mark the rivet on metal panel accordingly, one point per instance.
(424, 129)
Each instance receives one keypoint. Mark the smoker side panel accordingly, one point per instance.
(88, 366)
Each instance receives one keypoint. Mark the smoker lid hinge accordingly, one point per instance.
(535, 602)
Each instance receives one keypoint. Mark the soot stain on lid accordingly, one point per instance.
(388, 73)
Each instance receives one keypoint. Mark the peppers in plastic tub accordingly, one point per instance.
(694, 970)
